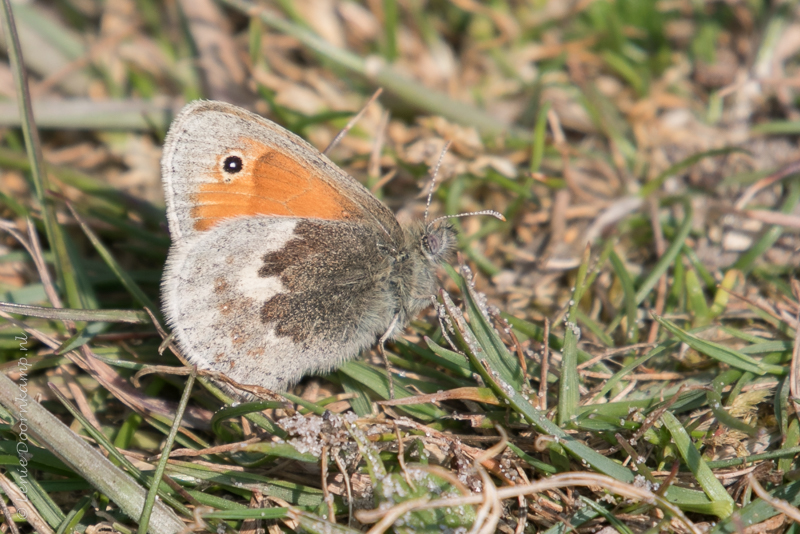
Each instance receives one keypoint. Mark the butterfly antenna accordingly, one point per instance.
(353, 121)
(433, 180)
(495, 214)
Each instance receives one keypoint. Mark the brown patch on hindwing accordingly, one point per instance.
(332, 272)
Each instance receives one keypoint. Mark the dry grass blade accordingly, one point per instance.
(112, 381)
(85, 459)
(352, 122)
(392, 515)
(68, 314)
(23, 508)
(563, 480)
(484, 395)
(80, 114)
(787, 171)
(34, 248)
(779, 504)
(794, 368)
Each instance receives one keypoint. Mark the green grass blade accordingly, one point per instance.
(781, 404)
(85, 459)
(452, 361)
(165, 492)
(732, 357)
(93, 187)
(528, 330)
(696, 299)
(65, 271)
(75, 515)
(746, 261)
(669, 256)
(594, 327)
(612, 520)
(790, 446)
(246, 513)
(539, 133)
(569, 394)
(487, 339)
(311, 523)
(622, 66)
(758, 510)
(522, 405)
(376, 380)
(722, 296)
(391, 16)
(569, 526)
(631, 334)
(361, 403)
(653, 185)
(715, 403)
(124, 278)
(620, 375)
(705, 477)
(533, 462)
(150, 500)
(777, 128)
(81, 338)
(241, 480)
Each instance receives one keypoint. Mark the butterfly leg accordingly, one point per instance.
(382, 349)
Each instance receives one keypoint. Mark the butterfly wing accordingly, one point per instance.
(266, 300)
(280, 175)
(278, 269)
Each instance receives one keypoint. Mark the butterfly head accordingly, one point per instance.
(438, 241)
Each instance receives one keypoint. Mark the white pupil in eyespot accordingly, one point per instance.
(232, 164)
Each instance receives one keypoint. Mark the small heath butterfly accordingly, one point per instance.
(282, 264)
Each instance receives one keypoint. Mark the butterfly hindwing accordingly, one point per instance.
(266, 300)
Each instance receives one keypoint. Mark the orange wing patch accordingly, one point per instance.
(270, 183)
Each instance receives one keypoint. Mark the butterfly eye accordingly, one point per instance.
(232, 164)
(433, 243)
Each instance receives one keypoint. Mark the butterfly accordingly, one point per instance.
(281, 264)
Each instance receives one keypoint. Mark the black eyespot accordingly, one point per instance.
(232, 164)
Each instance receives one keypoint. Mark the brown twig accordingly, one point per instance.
(777, 176)
(326, 494)
(352, 122)
(561, 480)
